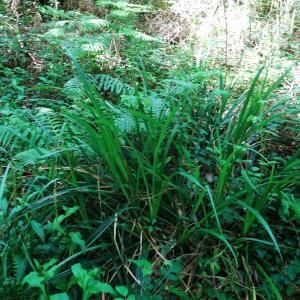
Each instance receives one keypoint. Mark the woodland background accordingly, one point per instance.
(149, 149)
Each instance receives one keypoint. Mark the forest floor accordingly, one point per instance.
(150, 151)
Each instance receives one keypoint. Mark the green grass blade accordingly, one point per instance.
(269, 282)
(210, 196)
(262, 221)
(222, 238)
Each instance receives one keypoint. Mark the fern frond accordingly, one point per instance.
(121, 14)
(114, 85)
(64, 23)
(69, 29)
(177, 87)
(27, 130)
(91, 23)
(125, 122)
(54, 128)
(138, 35)
(19, 264)
(154, 105)
(295, 205)
(124, 5)
(8, 136)
(55, 32)
(93, 47)
(57, 13)
(34, 155)
(73, 89)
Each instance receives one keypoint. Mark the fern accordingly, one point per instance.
(19, 264)
(291, 204)
(91, 23)
(31, 156)
(125, 121)
(124, 6)
(176, 87)
(57, 13)
(114, 85)
(25, 134)
(121, 14)
(154, 105)
(71, 31)
(93, 47)
(55, 32)
(138, 35)
(73, 89)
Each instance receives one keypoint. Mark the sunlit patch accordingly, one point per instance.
(93, 47)
(55, 32)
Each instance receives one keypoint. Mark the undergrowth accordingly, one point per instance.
(131, 172)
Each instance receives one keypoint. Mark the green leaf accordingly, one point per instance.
(270, 282)
(210, 196)
(3, 205)
(33, 279)
(96, 287)
(122, 290)
(81, 275)
(50, 263)
(70, 210)
(222, 238)
(78, 270)
(248, 180)
(77, 239)
(144, 264)
(60, 296)
(38, 229)
(263, 223)
(192, 179)
(21, 269)
(179, 293)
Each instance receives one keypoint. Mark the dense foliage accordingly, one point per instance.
(131, 171)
